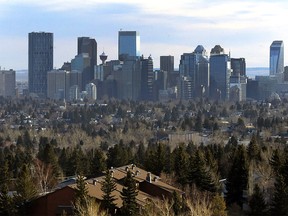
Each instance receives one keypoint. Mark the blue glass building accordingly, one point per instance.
(276, 58)
(128, 45)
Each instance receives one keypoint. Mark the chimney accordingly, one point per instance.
(156, 178)
(148, 177)
(126, 168)
(112, 173)
(137, 172)
(94, 181)
(133, 166)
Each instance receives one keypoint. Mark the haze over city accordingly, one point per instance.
(246, 28)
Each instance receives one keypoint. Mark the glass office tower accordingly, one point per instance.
(40, 61)
(276, 58)
(128, 45)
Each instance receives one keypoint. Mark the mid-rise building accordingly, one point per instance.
(40, 61)
(128, 45)
(7, 83)
(238, 66)
(276, 58)
(91, 91)
(220, 71)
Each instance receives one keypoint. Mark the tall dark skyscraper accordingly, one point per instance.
(128, 45)
(167, 64)
(276, 58)
(89, 46)
(147, 78)
(40, 61)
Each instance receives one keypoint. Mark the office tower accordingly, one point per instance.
(238, 79)
(238, 66)
(40, 61)
(220, 71)
(276, 58)
(147, 78)
(128, 45)
(91, 91)
(252, 89)
(58, 84)
(167, 64)
(89, 46)
(184, 88)
(81, 63)
(7, 83)
(195, 66)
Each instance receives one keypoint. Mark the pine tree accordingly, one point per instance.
(237, 180)
(257, 203)
(218, 206)
(108, 186)
(128, 195)
(177, 203)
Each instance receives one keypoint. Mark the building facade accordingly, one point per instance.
(276, 58)
(128, 45)
(58, 84)
(7, 83)
(40, 61)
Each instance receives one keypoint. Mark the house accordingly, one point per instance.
(149, 186)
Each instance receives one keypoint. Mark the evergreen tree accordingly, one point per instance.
(108, 186)
(177, 204)
(81, 194)
(181, 164)
(253, 149)
(237, 180)
(257, 203)
(199, 175)
(26, 190)
(7, 205)
(128, 195)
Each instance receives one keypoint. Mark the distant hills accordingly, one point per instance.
(22, 75)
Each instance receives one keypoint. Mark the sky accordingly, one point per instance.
(167, 27)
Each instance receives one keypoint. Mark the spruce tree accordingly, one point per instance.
(81, 194)
(108, 186)
(237, 180)
(257, 203)
(199, 175)
(128, 196)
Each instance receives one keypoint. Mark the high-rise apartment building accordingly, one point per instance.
(40, 61)
(167, 64)
(276, 58)
(220, 71)
(128, 45)
(7, 83)
(147, 79)
(238, 66)
(89, 46)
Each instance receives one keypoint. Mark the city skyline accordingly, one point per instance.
(246, 28)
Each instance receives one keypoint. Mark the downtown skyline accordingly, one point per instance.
(245, 28)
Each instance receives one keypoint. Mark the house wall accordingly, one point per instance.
(47, 205)
(154, 190)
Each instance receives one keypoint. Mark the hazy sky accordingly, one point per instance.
(167, 27)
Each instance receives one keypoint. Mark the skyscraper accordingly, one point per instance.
(276, 58)
(167, 64)
(196, 66)
(89, 46)
(40, 61)
(128, 45)
(147, 79)
(220, 71)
